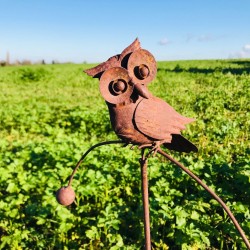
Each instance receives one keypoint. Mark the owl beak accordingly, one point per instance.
(142, 90)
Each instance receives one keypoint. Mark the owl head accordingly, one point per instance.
(125, 74)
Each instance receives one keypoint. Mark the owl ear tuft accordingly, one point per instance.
(135, 45)
(97, 71)
(94, 72)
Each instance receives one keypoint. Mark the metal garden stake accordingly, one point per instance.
(141, 119)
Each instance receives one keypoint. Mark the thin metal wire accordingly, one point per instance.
(86, 153)
(215, 196)
(144, 178)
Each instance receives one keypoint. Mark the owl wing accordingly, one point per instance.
(158, 120)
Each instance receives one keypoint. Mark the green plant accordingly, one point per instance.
(46, 124)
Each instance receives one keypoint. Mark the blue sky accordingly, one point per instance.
(94, 30)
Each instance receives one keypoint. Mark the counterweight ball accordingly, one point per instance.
(65, 195)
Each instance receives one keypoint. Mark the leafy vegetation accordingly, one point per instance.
(51, 114)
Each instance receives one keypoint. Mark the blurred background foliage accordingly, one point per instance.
(51, 114)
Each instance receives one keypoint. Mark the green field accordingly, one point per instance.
(51, 114)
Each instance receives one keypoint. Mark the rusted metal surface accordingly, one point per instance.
(144, 187)
(115, 85)
(159, 127)
(136, 115)
(142, 119)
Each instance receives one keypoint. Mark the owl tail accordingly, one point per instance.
(181, 144)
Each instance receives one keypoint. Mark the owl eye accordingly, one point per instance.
(141, 72)
(141, 66)
(115, 85)
(118, 87)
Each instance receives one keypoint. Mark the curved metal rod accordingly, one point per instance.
(86, 153)
(215, 196)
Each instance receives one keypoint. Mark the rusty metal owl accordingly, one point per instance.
(137, 116)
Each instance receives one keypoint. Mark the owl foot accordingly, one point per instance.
(155, 146)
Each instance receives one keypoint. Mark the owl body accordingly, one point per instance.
(137, 116)
(148, 122)
(122, 121)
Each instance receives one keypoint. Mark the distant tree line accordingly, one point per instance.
(25, 62)
(28, 62)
